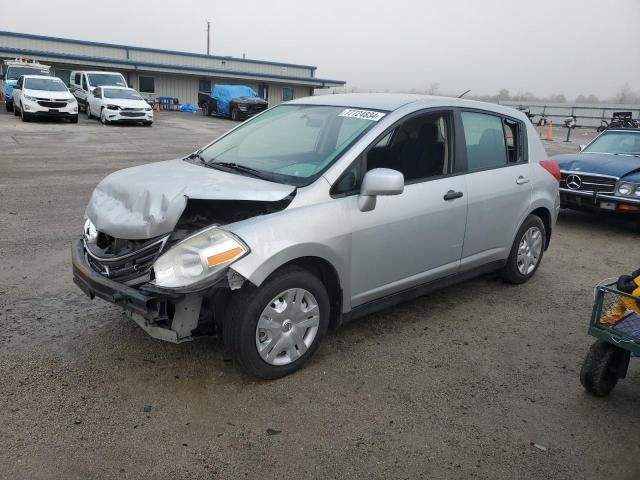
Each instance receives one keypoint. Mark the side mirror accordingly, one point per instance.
(581, 147)
(16, 87)
(379, 181)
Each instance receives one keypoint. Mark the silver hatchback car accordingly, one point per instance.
(316, 212)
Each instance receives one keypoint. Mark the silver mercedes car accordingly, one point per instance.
(316, 212)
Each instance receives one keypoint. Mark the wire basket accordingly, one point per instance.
(616, 317)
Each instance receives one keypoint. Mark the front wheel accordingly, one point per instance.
(24, 116)
(235, 114)
(16, 112)
(103, 117)
(279, 325)
(526, 252)
(599, 373)
(88, 112)
(147, 124)
(74, 119)
(9, 106)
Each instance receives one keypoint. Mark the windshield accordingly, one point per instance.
(14, 73)
(125, 94)
(49, 84)
(291, 144)
(619, 143)
(101, 79)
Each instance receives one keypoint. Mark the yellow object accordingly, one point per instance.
(622, 306)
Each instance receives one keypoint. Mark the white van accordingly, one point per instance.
(81, 83)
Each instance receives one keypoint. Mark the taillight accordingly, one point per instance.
(552, 167)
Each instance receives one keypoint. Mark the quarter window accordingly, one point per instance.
(485, 141)
(515, 140)
(147, 84)
(84, 83)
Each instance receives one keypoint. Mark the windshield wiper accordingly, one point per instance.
(240, 168)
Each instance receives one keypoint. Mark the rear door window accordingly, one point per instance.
(485, 141)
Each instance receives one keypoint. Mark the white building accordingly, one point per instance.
(157, 72)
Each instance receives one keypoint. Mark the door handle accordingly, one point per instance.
(522, 180)
(451, 195)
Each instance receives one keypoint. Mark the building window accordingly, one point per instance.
(147, 84)
(287, 94)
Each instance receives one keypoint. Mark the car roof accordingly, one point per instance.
(42, 76)
(96, 71)
(116, 87)
(393, 101)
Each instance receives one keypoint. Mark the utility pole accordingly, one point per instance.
(208, 35)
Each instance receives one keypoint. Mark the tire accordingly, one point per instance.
(24, 116)
(147, 124)
(205, 110)
(9, 106)
(16, 112)
(598, 374)
(87, 110)
(235, 114)
(514, 272)
(247, 308)
(74, 119)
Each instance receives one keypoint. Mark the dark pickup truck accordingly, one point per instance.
(236, 101)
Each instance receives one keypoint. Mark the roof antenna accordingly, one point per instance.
(464, 93)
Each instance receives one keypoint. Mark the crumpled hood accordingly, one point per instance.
(602, 164)
(126, 103)
(146, 201)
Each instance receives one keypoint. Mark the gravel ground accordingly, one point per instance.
(459, 384)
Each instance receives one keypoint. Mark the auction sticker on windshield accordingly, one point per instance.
(363, 114)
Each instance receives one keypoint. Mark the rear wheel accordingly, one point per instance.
(279, 325)
(9, 106)
(526, 252)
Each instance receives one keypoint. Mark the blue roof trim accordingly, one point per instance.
(136, 64)
(144, 49)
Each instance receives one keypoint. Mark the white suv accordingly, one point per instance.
(42, 96)
(82, 83)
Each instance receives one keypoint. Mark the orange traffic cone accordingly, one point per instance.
(549, 135)
(157, 106)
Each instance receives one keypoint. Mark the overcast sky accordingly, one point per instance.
(542, 46)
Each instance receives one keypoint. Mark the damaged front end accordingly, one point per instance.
(175, 285)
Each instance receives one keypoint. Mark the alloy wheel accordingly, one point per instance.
(529, 250)
(287, 326)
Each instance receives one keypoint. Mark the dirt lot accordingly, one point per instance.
(459, 384)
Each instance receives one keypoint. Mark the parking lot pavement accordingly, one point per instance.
(458, 384)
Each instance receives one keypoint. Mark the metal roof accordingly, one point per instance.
(144, 49)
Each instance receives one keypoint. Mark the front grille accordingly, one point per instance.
(132, 267)
(50, 104)
(127, 113)
(588, 183)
